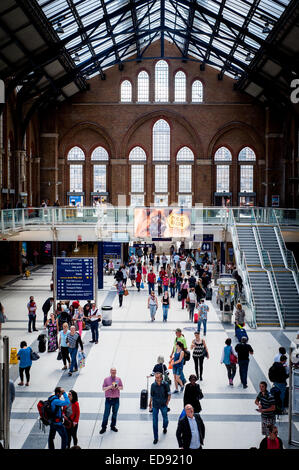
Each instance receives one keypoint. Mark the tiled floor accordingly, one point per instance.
(132, 345)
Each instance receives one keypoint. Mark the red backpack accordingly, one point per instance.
(45, 411)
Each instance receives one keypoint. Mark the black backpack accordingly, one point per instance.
(272, 374)
(187, 355)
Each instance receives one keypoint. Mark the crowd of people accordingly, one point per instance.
(175, 279)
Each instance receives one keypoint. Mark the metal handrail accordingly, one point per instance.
(240, 255)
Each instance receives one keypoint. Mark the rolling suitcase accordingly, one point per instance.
(195, 317)
(144, 397)
(209, 293)
(240, 332)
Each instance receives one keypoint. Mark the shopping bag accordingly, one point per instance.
(126, 292)
(81, 359)
(142, 285)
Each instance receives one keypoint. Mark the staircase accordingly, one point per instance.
(266, 313)
(270, 244)
(248, 245)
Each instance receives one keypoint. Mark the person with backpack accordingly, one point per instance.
(243, 350)
(278, 375)
(266, 406)
(160, 397)
(229, 358)
(56, 418)
(73, 339)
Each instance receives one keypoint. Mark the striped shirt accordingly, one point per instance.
(72, 340)
(266, 401)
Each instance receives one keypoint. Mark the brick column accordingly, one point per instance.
(49, 166)
(203, 182)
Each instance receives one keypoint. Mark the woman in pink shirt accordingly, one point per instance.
(144, 272)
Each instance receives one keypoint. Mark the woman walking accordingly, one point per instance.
(192, 303)
(152, 304)
(227, 358)
(72, 420)
(158, 262)
(184, 292)
(199, 347)
(144, 272)
(172, 284)
(199, 291)
(239, 317)
(193, 394)
(24, 356)
(73, 339)
(165, 305)
(177, 366)
(120, 287)
(52, 326)
(63, 347)
(78, 317)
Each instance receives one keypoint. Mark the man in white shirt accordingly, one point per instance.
(183, 267)
(94, 317)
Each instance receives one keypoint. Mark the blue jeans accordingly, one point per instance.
(172, 291)
(94, 326)
(114, 404)
(57, 427)
(165, 311)
(165, 288)
(73, 354)
(204, 322)
(151, 286)
(155, 419)
(243, 369)
(282, 389)
(178, 286)
(153, 309)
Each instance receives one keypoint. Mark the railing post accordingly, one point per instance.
(6, 398)
(13, 223)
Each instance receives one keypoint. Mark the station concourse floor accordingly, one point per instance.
(132, 344)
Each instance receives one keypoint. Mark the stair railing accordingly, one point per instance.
(242, 264)
(288, 255)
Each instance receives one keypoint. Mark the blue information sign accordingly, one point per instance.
(75, 278)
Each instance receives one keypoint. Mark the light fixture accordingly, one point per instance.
(249, 57)
(266, 28)
(76, 57)
(59, 29)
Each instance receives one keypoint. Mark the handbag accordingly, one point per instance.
(232, 358)
(200, 394)
(142, 285)
(187, 355)
(126, 292)
(59, 356)
(34, 356)
(67, 422)
(170, 366)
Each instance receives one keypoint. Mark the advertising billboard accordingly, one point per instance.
(162, 222)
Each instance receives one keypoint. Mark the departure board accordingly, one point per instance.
(75, 279)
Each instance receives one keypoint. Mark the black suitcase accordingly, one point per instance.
(144, 398)
(42, 343)
(209, 293)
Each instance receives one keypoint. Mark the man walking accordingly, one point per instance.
(243, 350)
(191, 430)
(31, 306)
(202, 316)
(56, 422)
(46, 307)
(111, 386)
(160, 397)
(266, 406)
(278, 374)
(94, 318)
(151, 279)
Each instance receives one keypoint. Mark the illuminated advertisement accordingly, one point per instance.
(162, 222)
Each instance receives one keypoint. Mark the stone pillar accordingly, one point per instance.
(20, 172)
(49, 166)
(203, 182)
(61, 188)
(119, 180)
(35, 186)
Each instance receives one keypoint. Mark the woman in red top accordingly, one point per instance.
(74, 417)
(138, 280)
(271, 441)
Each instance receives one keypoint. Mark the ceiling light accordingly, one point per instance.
(266, 28)
(59, 29)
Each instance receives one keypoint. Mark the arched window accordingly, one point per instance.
(137, 176)
(185, 154)
(197, 92)
(126, 92)
(137, 153)
(247, 155)
(180, 87)
(161, 140)
(161, 81)
(223, 154)
(100, 153)
(143, 87)
(76, 154)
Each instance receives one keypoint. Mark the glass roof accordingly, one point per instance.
(223, 33)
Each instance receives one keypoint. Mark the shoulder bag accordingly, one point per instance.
(232, 358)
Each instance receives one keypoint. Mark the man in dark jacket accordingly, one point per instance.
(191, 430)
(192, 281)
(46, 307)
(279, 377)
(119, 275)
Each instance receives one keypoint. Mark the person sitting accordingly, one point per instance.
(110, 267)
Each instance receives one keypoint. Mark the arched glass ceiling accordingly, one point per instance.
(223, 33)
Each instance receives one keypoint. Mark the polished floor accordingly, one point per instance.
(132, 345)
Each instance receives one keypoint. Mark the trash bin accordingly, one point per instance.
(106, 315)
